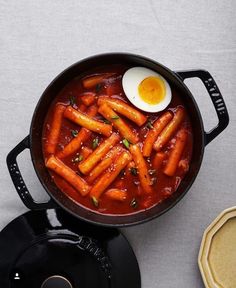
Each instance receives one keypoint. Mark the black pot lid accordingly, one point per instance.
(52, 249)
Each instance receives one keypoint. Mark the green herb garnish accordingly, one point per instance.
(80, 158)
(95, 143)
(74, 133)
(134, 171)
(134, 203)
(149, 124)
(95, 201)
(126, 143)
(98, 87)
(77, 159)
(72, 100)
(106, 121)
(115, 117)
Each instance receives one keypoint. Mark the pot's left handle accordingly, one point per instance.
(18, 181)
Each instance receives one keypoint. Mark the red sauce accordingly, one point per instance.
(163, 185)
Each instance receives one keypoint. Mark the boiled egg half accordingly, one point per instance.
(146, 89)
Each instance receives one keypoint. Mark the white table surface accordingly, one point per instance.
(39, 39)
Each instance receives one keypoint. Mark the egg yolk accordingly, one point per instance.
(152, 90)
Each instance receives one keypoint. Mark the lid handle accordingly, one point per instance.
(56, 282)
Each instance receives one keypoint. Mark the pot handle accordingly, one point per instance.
(216, 98)
(18, 181)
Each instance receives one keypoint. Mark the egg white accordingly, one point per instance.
(130, 82)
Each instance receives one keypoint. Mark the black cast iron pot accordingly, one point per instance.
(33, 140)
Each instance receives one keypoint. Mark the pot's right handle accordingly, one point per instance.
(216, 98)
(18, 181)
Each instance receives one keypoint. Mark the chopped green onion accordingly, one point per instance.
(126, 143)
(134, 203)
(95, 143)
(106, 121)
(134, 171)
(77, 159)
(72, 100)
(80, 158)
(95, 201)
(98, 87)
(74, 133)
(115, 117)
(149, 124)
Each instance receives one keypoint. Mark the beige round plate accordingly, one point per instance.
(217, 255)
